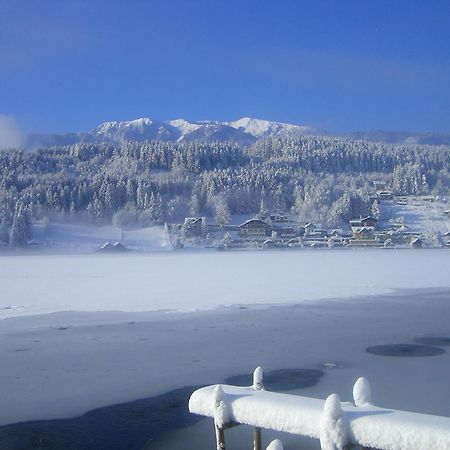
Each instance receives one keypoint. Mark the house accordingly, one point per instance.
(255, 229)
(365, 237)
(379, 185)
(339, 233)
(407, 237)
(447, 239)
(417, 243)
(194, 226)
(286, 232)
(108, 247)
(399, 226)
(384, 195)
(278, 218)
(308, 229)
(336, 233)
(363, 233)
(367, 221)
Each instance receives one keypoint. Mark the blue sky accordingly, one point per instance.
(340, 65)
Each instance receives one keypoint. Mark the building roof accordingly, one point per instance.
(369, 218)
(363, 219)
(362, 229)
(192, 220)
(255, 222)
(105, 246)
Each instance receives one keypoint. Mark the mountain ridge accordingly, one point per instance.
(245, 131)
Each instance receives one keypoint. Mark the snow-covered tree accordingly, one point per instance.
(20, 232)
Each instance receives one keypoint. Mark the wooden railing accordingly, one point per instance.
(338, 425)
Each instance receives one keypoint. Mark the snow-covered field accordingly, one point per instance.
(84, 331)
(421, 216)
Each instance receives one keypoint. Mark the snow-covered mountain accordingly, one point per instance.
(244, 131)
(133, 130)
(210, 131)
(260, 128)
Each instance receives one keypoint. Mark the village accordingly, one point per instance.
(281, 230)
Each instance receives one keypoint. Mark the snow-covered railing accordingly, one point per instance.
(338, 425)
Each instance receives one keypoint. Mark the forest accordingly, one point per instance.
(322, 179)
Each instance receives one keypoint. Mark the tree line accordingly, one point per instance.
(322, 179)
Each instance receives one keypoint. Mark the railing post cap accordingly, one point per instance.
(275, 445)
(332, 409)
(258, 379)
(362, 394)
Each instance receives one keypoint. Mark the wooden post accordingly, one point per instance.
(257, 386)
(220, 438)
(219, 417)
(256, 438)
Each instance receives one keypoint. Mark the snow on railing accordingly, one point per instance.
(338, 425)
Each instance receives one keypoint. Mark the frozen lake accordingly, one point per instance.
(82, 332)
(187, 281)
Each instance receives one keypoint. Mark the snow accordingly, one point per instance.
(187, 281)
(184, 127)
(73, 320)
(362, 395)
(81, 361)
(258, 379)
(335, 424)
(418, 215)
(260, 128)
(221, 413)
(275, 445)
(281, 412)
(333, 429)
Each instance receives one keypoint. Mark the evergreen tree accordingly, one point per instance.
(20, 232)
(5, 229)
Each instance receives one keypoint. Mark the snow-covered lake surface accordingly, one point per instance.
(85, 331)
(186, 281)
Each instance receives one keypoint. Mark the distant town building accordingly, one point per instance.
(278, 218)
(384, 195)
(367, 221)
(379, 185)
(417, 243)
(255, 229)
(308, 229)
(363, 233)
(109, 247)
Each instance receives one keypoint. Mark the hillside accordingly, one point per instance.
(321, 179)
